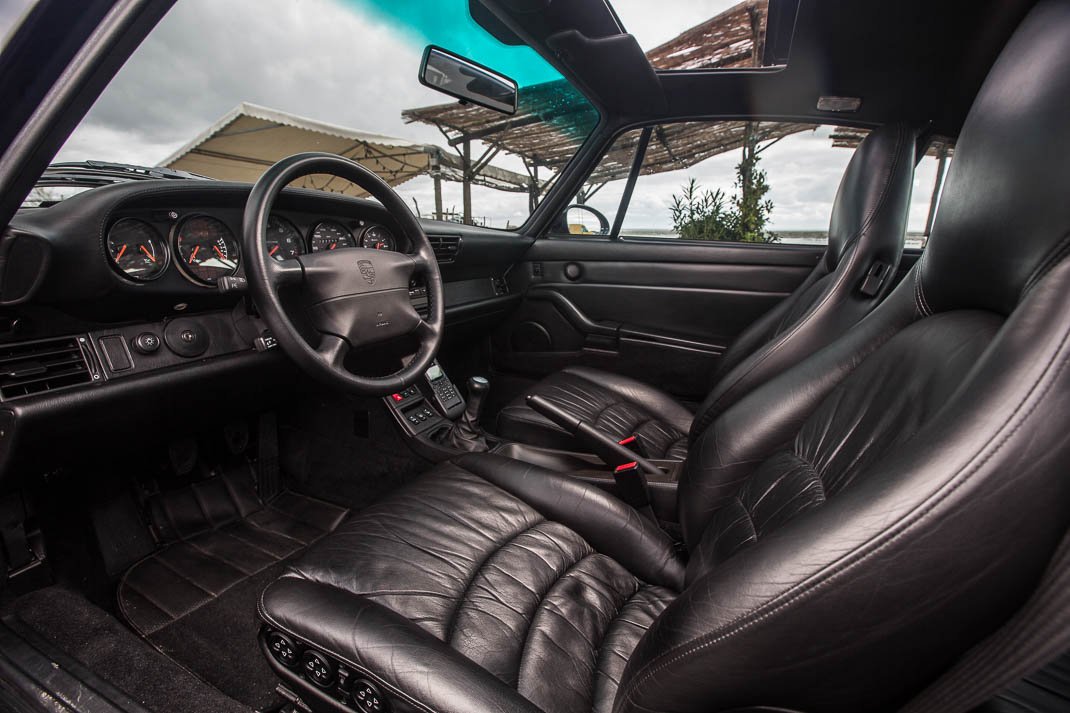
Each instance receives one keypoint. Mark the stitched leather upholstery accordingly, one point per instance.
(853, 525)
(868, 226)
(617, 405)
(546, 591)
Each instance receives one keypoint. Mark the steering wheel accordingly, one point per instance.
(356, 297)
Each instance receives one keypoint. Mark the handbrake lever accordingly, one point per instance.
(629, 468)
(608, 449)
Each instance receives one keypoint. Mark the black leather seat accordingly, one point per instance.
(851, 527)
(868, 226)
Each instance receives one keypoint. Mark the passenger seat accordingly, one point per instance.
(866, 233)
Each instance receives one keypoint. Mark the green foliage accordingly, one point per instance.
(703, 215)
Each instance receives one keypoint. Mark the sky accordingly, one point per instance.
(346, 62)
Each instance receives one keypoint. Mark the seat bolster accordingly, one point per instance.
(609, 525)
(417, 670)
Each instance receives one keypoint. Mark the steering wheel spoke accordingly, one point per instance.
(285, 272)
(333, 350)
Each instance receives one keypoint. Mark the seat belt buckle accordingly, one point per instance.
(633, 444)
(631, 484)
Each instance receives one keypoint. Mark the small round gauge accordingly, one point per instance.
(137, 249)
(329, 235)
(283, 240)
(206, 249)
(378, 238)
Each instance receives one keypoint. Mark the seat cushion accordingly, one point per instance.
(616, 405)
(486, 580)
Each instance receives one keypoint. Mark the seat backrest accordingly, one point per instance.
(860, 521)
(868, 226)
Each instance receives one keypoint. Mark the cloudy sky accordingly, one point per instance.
(347, 62)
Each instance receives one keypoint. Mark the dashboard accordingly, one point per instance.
(144, 245)
(113, 302)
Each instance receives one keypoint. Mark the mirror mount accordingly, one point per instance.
(468, 81)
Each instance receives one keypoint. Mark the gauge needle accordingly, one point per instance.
(273, 250)
(122, 251)
(146, 251)
(193, 254)
(219, 252)
(333, 246)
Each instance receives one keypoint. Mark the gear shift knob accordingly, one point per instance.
(466, 434)
(477, 390)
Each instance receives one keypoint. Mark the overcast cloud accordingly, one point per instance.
(337, 62)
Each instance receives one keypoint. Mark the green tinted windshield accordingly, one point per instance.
(223, 89)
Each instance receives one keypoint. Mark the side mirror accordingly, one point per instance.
(464, 79)
(575, 222)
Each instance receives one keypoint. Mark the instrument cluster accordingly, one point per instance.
(204, 248)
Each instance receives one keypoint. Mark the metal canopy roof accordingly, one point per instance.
(250, 138)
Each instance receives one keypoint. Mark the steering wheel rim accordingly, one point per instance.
(359, 295)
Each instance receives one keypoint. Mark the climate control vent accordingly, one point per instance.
(35, 367)
(446, 247)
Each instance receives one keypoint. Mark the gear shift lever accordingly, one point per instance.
(466, 434)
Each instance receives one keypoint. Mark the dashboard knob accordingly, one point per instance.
(147, 342)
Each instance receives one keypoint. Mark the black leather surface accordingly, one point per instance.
(854, 524)
(868, 226)
(616, 405)
(219, 535)
(545, 587)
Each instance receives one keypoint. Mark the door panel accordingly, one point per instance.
(660, 311)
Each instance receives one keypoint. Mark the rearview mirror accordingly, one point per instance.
(464, 79)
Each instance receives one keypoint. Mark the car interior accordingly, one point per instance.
(453, 467)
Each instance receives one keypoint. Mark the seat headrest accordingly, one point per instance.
(1005, 211)
(874, 195)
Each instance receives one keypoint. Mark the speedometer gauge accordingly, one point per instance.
(378, 238)
(329, 235)
(283, 240)
(137, 249)
(206, 249)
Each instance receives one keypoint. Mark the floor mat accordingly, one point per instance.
(195, 598)
(101, 643)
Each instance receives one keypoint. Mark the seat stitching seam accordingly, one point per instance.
(866, 550)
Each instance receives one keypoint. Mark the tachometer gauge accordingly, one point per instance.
(378, 238)
(206, 249)
(283, 240)
(137, 249)
(329, 235)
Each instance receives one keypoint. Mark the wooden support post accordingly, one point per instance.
(438, 197)
(466, 186)
(533, 195)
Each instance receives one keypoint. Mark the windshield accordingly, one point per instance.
(224, 89)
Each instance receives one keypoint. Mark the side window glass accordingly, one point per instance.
(750, 182)
(592, 210)
(928, 188)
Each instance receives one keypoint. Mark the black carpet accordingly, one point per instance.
(113, 652)
(195, 598)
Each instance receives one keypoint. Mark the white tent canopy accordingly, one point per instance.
(250, 138)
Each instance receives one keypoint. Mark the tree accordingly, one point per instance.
(702, 215)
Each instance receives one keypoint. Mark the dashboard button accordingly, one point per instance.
(186, 337)
(146, 342)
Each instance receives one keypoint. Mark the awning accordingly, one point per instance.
(250, 138)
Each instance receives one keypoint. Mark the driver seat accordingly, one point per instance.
(851, 527)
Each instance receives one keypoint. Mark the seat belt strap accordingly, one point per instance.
(1034, 636)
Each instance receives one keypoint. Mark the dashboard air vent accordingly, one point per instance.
(35, 367)
(446, 246)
